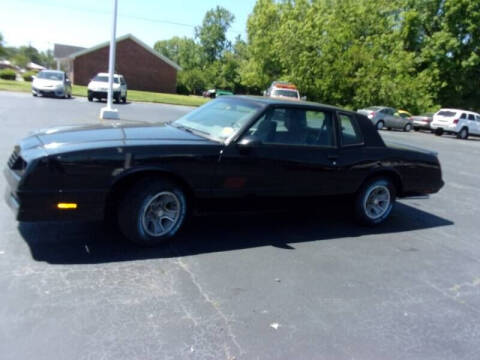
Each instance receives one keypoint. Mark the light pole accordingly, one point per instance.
(108, 112)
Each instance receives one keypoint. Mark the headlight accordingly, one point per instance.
(59, 86)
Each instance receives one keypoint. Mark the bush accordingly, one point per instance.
(28, 76)
(8, 74)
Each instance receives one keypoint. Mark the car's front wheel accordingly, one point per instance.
(374, 201)
(380, 125)
(152, 212)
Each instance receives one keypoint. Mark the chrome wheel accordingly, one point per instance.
(380, 125)
(161, 213)
(377, 201)
(408, 127)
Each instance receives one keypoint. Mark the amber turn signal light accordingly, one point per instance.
(66, 206)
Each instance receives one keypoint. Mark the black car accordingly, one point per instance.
(152, 175)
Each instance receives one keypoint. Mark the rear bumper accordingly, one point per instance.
(42, 205)
(452, 128)
(421, 124)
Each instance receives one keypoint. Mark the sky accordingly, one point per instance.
(42, 23)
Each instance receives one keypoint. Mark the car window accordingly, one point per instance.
(478, 117)
(349, 130)
(471, 117)
(295, 126)
(447, 113)
(122, 81)
(464, 116)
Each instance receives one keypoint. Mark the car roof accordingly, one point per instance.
(284, 101)
(457, 110)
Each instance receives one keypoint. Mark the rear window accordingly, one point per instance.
(447, 113)
(349, 131)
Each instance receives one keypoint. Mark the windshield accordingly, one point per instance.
(50, 75)
(286, 93)
(218, 119)
(102, 78)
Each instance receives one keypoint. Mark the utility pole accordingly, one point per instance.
(108, 112)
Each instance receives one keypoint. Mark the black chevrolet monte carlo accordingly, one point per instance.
(152, 175)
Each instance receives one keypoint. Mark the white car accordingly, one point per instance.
(281, 89)
(52, 83)
(98, 87)
(462, 123)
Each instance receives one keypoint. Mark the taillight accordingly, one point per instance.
(427, 119)
(455, 121)
(371, 115)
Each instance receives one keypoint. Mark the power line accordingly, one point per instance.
(123, 15)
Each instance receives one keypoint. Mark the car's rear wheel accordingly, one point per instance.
(90, 98)
(152, 212)
(380, 125)
(124, 99)
(463, 134)
(416, 128)
(439, 132)
(375, 200)
(407, 127)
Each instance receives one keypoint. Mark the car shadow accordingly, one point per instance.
(92, 243)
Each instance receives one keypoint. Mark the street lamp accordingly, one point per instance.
(108, 112)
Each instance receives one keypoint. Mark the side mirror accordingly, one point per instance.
(249, 141)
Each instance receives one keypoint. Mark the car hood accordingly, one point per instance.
(46, 82)
(82, 137)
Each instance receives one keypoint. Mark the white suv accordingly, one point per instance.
(98, 87)
(454, 121)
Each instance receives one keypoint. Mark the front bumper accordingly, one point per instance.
(59, 92)
(101, 94)
(40, 205)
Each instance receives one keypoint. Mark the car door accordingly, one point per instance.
(390, 118)
(288, 151)
(471, 123)
(477, 124)
(123, 86)
(354, 159)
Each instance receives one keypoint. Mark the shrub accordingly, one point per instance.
(28, 76)
(7, 74)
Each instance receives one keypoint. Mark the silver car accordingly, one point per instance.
(382, 116)
(53, 83)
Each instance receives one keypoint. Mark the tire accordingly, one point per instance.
(124, 99)
(463, 134)
(366, 201)
(380, 124)
(117, 99)
(34, 94)
(90, 98)
(407, 127)
(144, 226)
(439, 132)
(389, 128)
(415, 128)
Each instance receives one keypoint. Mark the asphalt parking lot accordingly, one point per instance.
(273, 286)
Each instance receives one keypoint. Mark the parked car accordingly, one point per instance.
(153, 175)
(422, 122)
(282, 89)
(382, 116)
(213, 93)
(98, 87)
(462, 123)
(52, 83)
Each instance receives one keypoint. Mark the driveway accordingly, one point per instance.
(273, 286)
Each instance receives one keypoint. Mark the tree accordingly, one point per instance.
(212, 33)
(184, 51)
(2, 49)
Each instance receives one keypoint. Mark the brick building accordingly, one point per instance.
(143, 67)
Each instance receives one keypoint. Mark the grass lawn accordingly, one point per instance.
(133, 95)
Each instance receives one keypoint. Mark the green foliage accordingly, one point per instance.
(28, 76)
(184, 51)
(212, 32)
(7, 74)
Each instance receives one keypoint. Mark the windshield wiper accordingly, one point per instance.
(191, 130)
